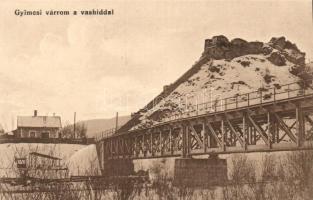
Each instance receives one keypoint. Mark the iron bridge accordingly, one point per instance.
(278, 119)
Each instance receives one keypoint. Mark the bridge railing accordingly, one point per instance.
(263, 95)
(106, 133)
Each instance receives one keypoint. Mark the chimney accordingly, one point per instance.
(35, 113)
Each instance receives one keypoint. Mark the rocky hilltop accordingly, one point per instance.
(278, 51)
(227, 68)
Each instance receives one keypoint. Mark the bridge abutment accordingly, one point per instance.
(192, 172)
(118, 167)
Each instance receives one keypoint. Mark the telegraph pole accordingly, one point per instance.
(74, 124)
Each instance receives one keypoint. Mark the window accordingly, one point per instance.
(45, 134)
(25, 134)
(32, 134)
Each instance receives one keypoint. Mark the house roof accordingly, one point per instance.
(39, 121)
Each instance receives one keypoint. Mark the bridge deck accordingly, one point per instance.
(272, 120)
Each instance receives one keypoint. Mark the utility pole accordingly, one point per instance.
(116, 122)
(12, 120)
(74, 124)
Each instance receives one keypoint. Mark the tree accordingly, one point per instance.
(80, 131)
(242, 179)
(1, 130)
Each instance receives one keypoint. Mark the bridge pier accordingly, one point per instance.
(118, 167)
(193, 172)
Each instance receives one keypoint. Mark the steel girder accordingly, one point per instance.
(276, 127)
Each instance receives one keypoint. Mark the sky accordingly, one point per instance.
(99, 65)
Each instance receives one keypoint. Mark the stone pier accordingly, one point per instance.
(191, 172)
(118, 167)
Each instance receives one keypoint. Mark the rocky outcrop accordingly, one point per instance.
(296, 69)
(267, 49)
(281, 43)
(277, 59)
(278, 50)
(288, 49)
(304, 72)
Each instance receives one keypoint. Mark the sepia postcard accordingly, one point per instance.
(156, 100)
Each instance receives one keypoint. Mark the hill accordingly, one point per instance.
(226, 69)
(95, 126)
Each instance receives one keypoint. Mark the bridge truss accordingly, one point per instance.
(252, 122)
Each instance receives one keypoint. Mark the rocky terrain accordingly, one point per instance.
(234, 67)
